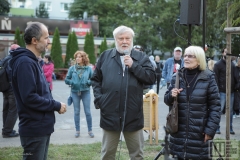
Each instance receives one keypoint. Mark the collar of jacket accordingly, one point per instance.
(202, 75)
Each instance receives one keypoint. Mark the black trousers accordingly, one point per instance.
(9, 112)
(159, 76)
(35, 148)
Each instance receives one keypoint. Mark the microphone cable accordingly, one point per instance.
(125, 111)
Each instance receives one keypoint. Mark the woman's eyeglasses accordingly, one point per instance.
(189, 56)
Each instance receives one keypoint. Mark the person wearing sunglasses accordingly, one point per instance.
(172, 65)
(198, 107)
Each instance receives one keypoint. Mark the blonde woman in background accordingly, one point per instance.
(211, 64)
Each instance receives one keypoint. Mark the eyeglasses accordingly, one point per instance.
(189, 56)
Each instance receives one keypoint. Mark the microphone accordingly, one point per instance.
(126, 53)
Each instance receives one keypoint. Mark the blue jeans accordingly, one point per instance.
(85, 97)
(35, 148)
(223, 102)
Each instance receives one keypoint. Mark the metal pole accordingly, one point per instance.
(204, 24)
(189, 34)
(228, 86)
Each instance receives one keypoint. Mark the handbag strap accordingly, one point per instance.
(177, 81)
(176, 84)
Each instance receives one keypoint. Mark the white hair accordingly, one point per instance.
(122, 29)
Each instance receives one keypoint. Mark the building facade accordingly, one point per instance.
(23, 11)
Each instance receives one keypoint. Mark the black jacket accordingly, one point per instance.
(220, 75)
(110, 86)
(34, 100)
(199, 112)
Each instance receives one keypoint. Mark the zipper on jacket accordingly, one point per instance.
(188, 97)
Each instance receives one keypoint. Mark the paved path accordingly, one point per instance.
(64, 127)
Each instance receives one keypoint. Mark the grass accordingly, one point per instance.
(80, 152)
(92, 151)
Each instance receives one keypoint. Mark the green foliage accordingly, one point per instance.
(89, 47)
(56, 50)
(154, 22)
(68, 51)
(4, 7)
(18, 38)
(234, 10)
(41, 11)
(103, 45)
(74, 43)
(72, 47)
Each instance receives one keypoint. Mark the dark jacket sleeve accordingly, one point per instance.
(143, 71)
(214, 108)
(96, 82)
(28, 74)
(168, 99)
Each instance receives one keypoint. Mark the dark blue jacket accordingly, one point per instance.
(198, 113)
(34, 100)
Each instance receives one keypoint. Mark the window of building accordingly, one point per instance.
(48, 5)
(65, 7)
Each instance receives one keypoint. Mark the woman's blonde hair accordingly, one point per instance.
(200, 55)
(84, 56)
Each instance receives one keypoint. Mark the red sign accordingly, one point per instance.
(80, 27)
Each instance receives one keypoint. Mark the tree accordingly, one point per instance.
(41, 11)
(103, 45)
(74, 43)
(234, 10)
(4, 7)
(157, 26)
(18, 38)
(56, 50)
(89, 47)
(72, 47)
(68, 51)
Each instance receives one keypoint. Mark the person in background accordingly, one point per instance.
(146, 88)
(118, 87)
(158, 72)
(236, 104)
(151, 58)
(211, 64)
(198, 107)
(172, 65)
(78, 77)
(220, 74)
(48, 68)
(35, 103)
(9, 114)
(138, 48)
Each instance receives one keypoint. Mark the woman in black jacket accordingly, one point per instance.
(199, 107)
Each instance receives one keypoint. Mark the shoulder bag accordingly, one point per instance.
(172, 117)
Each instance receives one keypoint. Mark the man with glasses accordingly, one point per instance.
(220, 75)
(172, 65)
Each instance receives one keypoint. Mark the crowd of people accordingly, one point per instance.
(119, 79)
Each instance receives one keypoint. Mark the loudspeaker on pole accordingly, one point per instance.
(191, 12)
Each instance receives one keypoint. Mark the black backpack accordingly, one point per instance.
(4, 80)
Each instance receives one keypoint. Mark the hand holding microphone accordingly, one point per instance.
(127, 59)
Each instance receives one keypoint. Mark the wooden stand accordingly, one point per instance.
(150, 111)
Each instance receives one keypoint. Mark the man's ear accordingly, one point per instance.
(34, 40)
